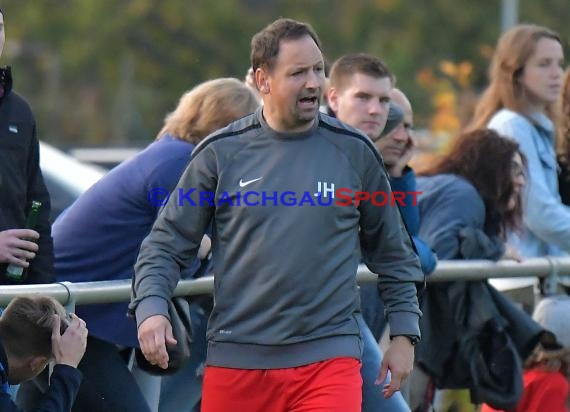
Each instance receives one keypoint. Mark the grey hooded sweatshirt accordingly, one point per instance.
(286, 245)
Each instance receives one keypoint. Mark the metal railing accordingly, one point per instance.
(71, 294)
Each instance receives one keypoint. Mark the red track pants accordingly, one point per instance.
(333, 385)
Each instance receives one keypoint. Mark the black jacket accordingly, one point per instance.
(473, 336)
(64, 384)
(21, 180)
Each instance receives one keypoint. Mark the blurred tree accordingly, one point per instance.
(105, 72)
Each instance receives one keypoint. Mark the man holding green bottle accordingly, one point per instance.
(21, 183)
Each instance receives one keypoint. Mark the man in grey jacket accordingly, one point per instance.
(284, 188)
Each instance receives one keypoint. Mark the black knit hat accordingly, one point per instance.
(395, 117)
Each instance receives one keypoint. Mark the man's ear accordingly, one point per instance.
(332, 99)
(262, 81)
(37, 364)
(26, 368)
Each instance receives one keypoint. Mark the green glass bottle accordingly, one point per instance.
(14, 272)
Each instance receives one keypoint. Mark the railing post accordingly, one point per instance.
(550, 282)
(69, 304)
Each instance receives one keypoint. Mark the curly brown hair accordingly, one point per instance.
(484, 158)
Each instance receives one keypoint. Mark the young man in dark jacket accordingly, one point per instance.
(360, 94)
(21, 182)
(35, 330)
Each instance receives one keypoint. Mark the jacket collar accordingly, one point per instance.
(542, 122)
(3, 369)
(6, 81)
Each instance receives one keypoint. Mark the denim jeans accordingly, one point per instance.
(372, 398)
(372, 308)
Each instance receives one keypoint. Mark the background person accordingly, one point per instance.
(525, 82)
(359, 94)
(99, 236)
(35, 330)
(21, 182)
(547, 369)
(563, 139)
(396, 144)
(471, 199)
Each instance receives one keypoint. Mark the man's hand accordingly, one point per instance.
(15, 248)
(512, 253)
(68, 349)
(154, 334)
(399, 360)
(398, 168)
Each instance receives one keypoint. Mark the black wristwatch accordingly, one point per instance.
(414, 340)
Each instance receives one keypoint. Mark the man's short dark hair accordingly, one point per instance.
(265, 44)
(362, 63)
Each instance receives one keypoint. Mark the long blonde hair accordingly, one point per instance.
(505, 90)
(563, 121)
(208, 107)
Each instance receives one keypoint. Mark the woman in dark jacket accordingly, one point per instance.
(476, 186)
(470, 199)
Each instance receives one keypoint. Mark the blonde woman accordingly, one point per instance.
(99, 237)
(525, 82)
